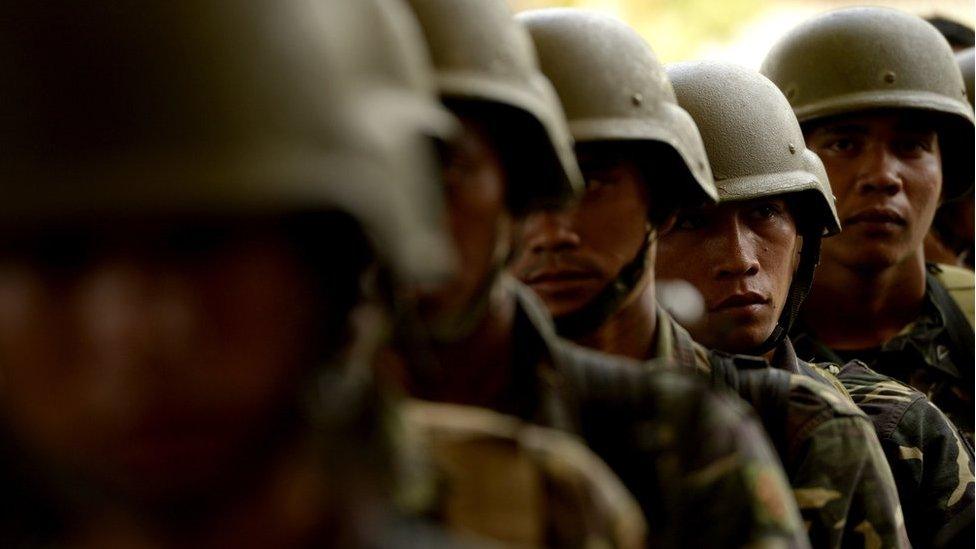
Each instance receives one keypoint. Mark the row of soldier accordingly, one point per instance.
(400, 273)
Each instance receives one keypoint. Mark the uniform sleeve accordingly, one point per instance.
(740, 477)
(844, 487)
(932, 465)
(699, 464)
(934, 472)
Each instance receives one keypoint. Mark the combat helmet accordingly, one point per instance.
(133, 109)
(756, 149)
(859, 59)
(966, 58)
(481, 54)
(614, 90)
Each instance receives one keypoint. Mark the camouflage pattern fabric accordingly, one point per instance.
(841, 480)
(921, 356)
(933, 467)
(504, 480)
(698, 462)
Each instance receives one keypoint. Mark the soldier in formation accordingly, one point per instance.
(626, 169)
(489, 343)
(775, 204)
(887, 113)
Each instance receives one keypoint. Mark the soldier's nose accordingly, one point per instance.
(738, 257)
(879, 173)
(548, 231)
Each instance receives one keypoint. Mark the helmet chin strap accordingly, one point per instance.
(598, 310)
(802, 281)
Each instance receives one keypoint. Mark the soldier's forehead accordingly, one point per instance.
(902, 120)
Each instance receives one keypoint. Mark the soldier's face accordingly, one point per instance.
(885, 170)
(153, 367)
(569, 256)
(475, 182)
(741, 257)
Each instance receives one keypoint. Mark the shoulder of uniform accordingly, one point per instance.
(959, 283)
(830, 399)
(827, 374)
(825, 368)
(856, 375)
(954, 278)
(885, 400)
(525, 462)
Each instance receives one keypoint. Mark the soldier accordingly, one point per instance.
(194, 200)
(881, 101)
(950, 240)
(580, 260)
(490, 344)
(742, 256)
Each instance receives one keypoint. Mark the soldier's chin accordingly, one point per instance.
(734, 338)
(561, 305)
(865, 254)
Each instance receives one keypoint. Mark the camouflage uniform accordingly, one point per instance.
(933, 467)
(937, 491)
(502, 479)
(841, 481)
(924, 354)
(698, 463)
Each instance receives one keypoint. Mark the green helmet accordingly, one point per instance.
(481, 54)
(614, 89)
(756, 149)
(860, 59)
(966, 59)
(162, 109)
(754, 143)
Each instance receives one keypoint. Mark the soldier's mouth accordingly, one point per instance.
(559, 279)
(876, 215)
(743, 300)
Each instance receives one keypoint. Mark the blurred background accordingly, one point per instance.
(740, 31)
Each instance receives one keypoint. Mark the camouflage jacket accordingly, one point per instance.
(697, 462)
(925, 354)
(840, 478)
(500, 479)
(933, 467)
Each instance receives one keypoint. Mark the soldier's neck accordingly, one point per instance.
(850, 308)
(632, 330)
(477, 369)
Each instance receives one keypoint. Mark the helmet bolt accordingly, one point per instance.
(637, 99)
(792, 148)
(889, 77)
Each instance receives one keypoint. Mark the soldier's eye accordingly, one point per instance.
(912, 147)
(841, 144)
(767, 210)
